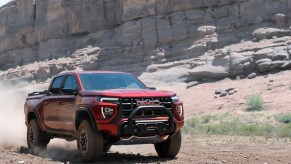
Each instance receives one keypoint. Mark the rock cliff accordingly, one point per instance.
(179, 37)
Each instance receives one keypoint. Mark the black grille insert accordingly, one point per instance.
(129, 104)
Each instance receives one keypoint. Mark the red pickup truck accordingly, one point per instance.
(100, 109)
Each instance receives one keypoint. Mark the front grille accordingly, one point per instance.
(129, 104)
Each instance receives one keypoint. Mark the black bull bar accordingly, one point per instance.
(148, 127)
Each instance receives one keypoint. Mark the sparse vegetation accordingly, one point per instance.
(285, 131)
(228, 51)
(283, 118)
(255, 102)
(239, 125)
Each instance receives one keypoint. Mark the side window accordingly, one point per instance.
(70, 83)
(56, 86)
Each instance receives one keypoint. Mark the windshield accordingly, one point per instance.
(105, 81)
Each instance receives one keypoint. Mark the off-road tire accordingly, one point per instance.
(106, 147)
(171, 147)
(36, 138)
(89, 142)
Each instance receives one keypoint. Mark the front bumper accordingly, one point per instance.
(143, 126)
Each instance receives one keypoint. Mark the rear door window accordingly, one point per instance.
(56, 86)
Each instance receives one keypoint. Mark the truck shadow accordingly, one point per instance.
(64, 155)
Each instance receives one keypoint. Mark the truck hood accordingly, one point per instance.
(126, 93)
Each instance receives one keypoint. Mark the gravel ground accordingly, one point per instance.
(195, 149)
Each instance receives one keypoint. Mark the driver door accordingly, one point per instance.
(67, 104)
(51, 106)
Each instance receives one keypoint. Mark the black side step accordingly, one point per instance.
(65, 135)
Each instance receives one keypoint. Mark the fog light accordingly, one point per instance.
(107, 112)
(180, 110)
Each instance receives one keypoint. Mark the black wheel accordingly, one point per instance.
(89, 142)
(106, 147)
(36, 138)
(171, 147)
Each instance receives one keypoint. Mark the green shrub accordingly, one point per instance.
(283, 118)
(249, 130)
(268, 130)
(254, 102)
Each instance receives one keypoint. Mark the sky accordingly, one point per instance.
(3, 2)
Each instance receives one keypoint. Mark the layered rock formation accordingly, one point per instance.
(133, 35)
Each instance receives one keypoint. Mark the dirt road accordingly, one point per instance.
(207, 149)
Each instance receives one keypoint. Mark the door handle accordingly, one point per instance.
(46, 103)
(60, 103)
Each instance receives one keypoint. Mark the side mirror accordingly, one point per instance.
(67, 91)
(152, 88)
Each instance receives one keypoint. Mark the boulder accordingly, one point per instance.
(268, 33)
(286, 65)
(93, 51)
(236, 70)
(223, 94)
(263, 53)
(280, 19)
(252, 75)
(217, 92)
(280, 56)
(263, 61)
(208, 71)
(280, 53)
(247, 66)
(206, 30)
(192, 84)
(265, 66)
(289, 49)
(231, 92)
(277, 64)
(236, 63)
(229, 89)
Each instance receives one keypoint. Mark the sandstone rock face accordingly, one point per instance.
(131, 35)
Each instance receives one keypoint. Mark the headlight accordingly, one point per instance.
(180, 110)
(175, 99)
(108, 100)
(107, 112)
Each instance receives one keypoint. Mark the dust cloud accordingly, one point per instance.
(12, 119)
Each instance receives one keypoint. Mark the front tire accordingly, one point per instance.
(171, 147)
(36, 138)
(89, 142)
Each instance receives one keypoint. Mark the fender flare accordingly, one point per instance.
(36, 114)
(88, 111)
